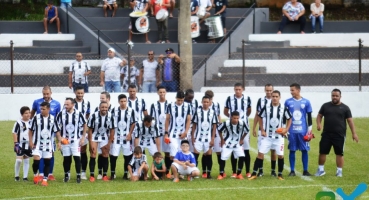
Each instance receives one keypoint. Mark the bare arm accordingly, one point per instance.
(248, 112)
(33, 112)
(30, 135)
(70, 79)
(221, 11)
(102, 78)
(226, 112)
(140, 76)
(167, 121)
(353, 131)
(260, 120)
(319, 122)
(255, 124)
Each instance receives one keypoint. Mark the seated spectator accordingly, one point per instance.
(51, 15)
(293, 12)
(317, 10)
(111, 5)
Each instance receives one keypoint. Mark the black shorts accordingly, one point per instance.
(223, 18)
(328, 140)
(26, 152)
(159, 174)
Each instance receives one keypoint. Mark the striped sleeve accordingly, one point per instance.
(132, 161)
(222, 126)
(227, 104)
(138, 130)
(34, 124)
(152, 111)
(91, 121)
(16, 128)
(248, 102)
(258, 105)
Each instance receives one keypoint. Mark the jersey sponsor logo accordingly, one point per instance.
(302, 106)
(297, 128)
(297, 115)
(297, 122)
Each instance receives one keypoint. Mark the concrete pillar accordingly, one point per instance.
(185, 45)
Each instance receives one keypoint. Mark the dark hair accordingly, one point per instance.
(137, 150)
(180, 95)
(107, 95)
(189, 91)
(205, 97)
(157, 155)
(268, 85)
(122, 96)
(79, 88)
(336, 90)
(70, 99)
(277, 92)
(185, 141)
(235, 113)
(160, 87)
(24, 109)
(209, 93)
(296, 85)
(50, 2)
(132, 86)
(147, 118)
(238, 85)
(43, 104)
(103, 103)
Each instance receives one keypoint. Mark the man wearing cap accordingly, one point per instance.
(150, 73)
(110, 72)
(170, 70)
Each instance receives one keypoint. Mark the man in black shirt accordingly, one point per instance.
(335, 115)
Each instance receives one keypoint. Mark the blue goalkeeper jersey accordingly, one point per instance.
(299, 109)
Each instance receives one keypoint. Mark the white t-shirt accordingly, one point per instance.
(140, 5)
(205, 3)
(111, 68)
(315, 9)
(110, 1)
(149, 70)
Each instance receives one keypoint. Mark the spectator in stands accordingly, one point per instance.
(317, 10)
(110, 72)
(162, 25)
(134, 75)
(51, 15)
(293, 12)
(150, 73)
(170, 70)
(220, 9)
(111, 5)
(172, 5)
(194, 7)
(78, 72)
(205, 5)
(138, 6)
(65, 3)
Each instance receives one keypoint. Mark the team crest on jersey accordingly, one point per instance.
(302, 106)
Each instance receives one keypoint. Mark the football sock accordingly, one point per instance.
(273, 163)
(196, 158)
(234, 163)
(305, 159)
(240, 165)
(221, 166)
(66, 164)
(247, 161)
(99, 163)
(25, 167)
(292, 160)
(168, 163)
(92, 166)
(339, 169)
(209, 163)
(47, 168)
(258, 162)
(17, 166)
(321, 167)
(280, 165)
(204, 162)
(113, 164)
(219, 158)
(127, 159)
(51, 165)
(35, 166)
(42, 165)
(84, 161)
(105, 165)
(77, 163)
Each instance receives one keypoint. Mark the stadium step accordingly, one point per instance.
(48, 50)
(57, 43)
(264, 44)
(238, 70)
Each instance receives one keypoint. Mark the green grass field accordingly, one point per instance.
(355, 171)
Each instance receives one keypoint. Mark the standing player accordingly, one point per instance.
(72, 135)
(272, 120)
(157, 111)
(268, 88)
(21, 143)
(84, 107)
(232, 134)
(100, 134)
(54, 110)
(189, 98)
(242, 104)
(177, 124)
(203, 134)
(124, 119)
(137, 104)
(335, 114)
(41, 136)
(301, 125)
(146, 135)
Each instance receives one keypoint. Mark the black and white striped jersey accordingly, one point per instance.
(157, 111)
(123, 119)
(146, 134)
(178, 118)
(71, 125)
(78, 70)
(232, 133)
(139, 106)
(84, 107)
(110, 109)
(204, 120)
(239, 104)
(136, 163)
(21, 129)
(274, 117)
(44, 129)
(101, 126)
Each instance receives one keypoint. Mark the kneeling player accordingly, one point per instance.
(272, 118)
(232, 134)
(146, 135)
(138, 167)
(203, 134)
(184, 163)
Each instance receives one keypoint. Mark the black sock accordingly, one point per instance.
(92, 166)
(196, 158)
(219, 158)
(247, 160)
(66, 164)
(35, 166)
(273, 162)
(204, 163)
(258, 162)
(100, 163)
(113, 164)
(84, 161)
(234, 163)
(168, 163)
(221, 166)
(241, 160)
(127, 159)
(77, 164)
(280, 165)
(47, 168)
(105, 165)
(209, 163)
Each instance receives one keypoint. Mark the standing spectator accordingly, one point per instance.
(111, 5)
(138, 6)
(335, 115)
(110, 72)
(194, 7)
(65, 3)
(170, 70)
(134, 78)
(317, 10)
(205, 5)
(150, 73)
(162, 25)
(172, 6)
(293, 12)
(78, 72)
(51, 15)
(220, 9)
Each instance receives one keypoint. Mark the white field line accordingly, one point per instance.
(171, 190)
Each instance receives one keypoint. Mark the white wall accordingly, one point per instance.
(26, 40)
(355, 100)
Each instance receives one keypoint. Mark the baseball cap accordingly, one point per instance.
(169, 49)
(112, 50)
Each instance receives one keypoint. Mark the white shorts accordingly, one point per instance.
(268, 144)
(116, 149)
(100, 144)
(237, 152)
(259, 139)
(189, 138)
(183, 171)
(42, 154)
(152, 148)
(217, 143)
(246, 142)
(71, 149)
(175, 146)
(85, 142)
(202, 146)
(164, 146)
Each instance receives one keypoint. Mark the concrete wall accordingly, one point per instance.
(355, 100)
(280, 3)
